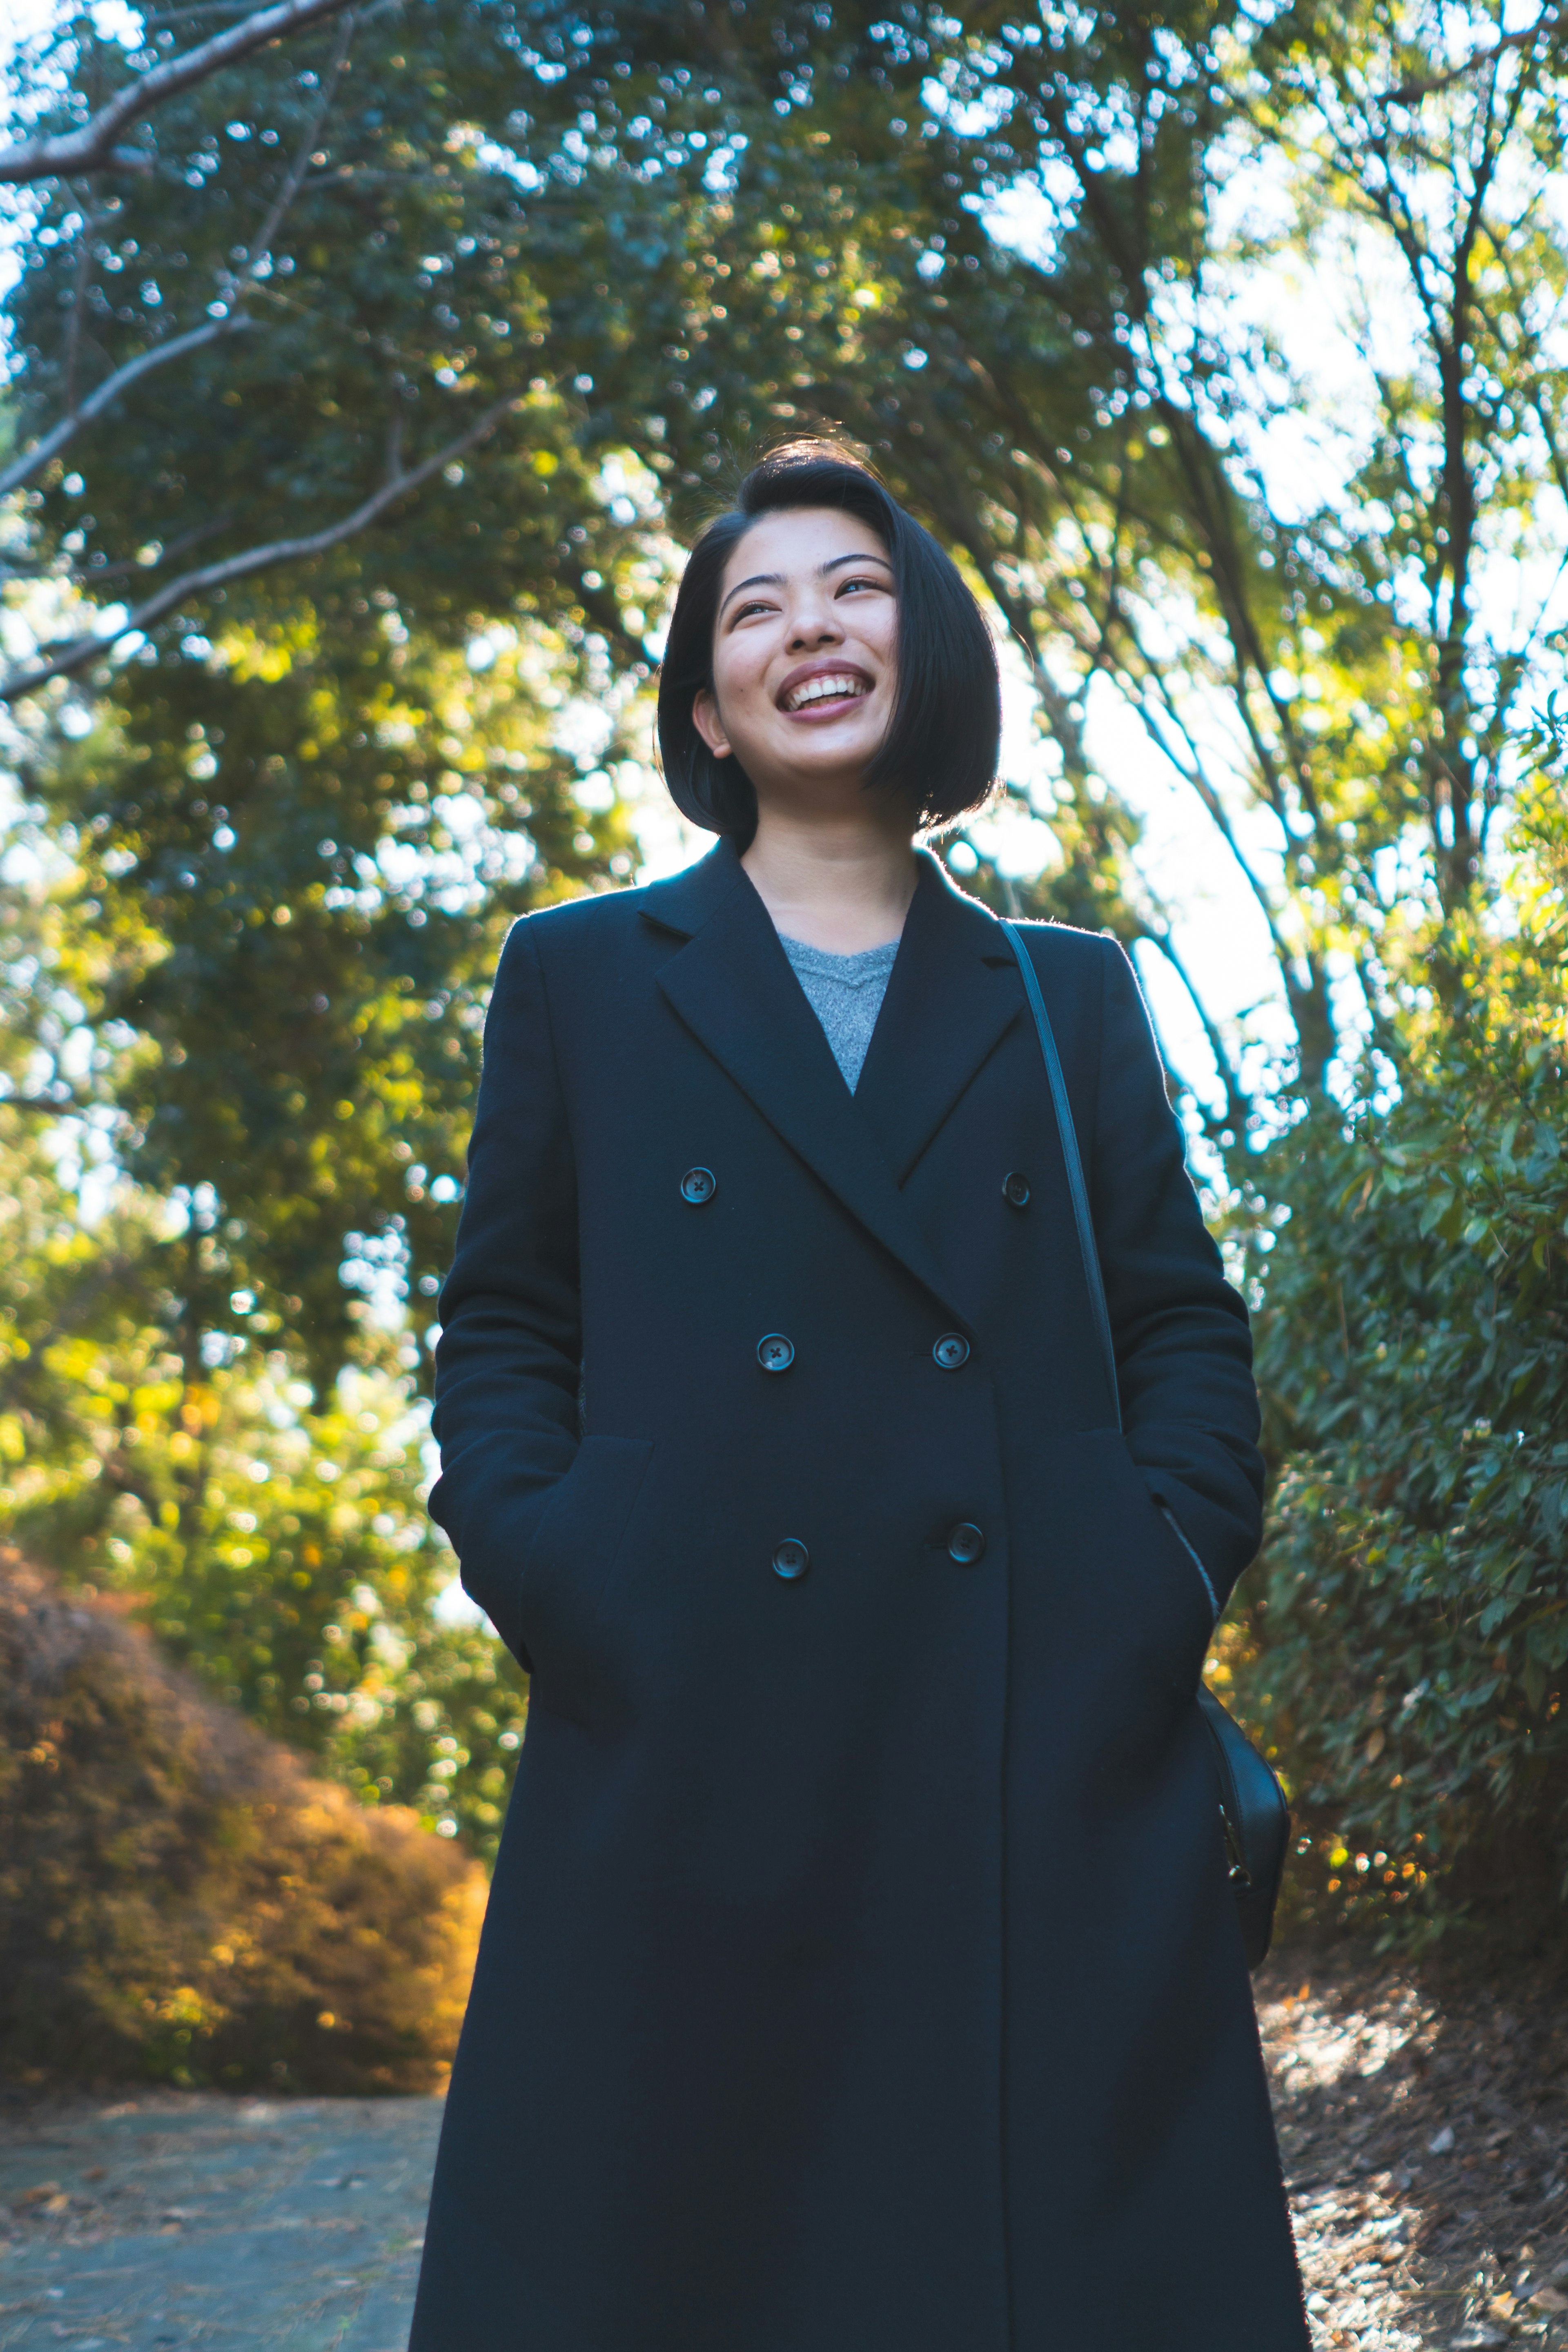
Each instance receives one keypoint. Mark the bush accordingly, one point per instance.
(1403, 1643)
(278, 1545)
(179, 1899)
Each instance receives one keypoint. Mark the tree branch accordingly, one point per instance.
(1411, 93)
(261, 244)
(93, 579)
(77, 653)
(1150, 691)
(68, 1106)
(235, 287)
(22, 467)
(94, 145)
(1240, 1105)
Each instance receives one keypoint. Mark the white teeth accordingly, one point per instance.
(824, 689)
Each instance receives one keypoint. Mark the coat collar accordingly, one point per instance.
(953, 993)
(945, 1008)
(684, 901)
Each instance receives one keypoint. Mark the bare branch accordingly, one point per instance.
(108, 392)
(1411, 93)
(1150, 690)
(161, 16)
(261, 244)
(95, 144)
(77, 653)
(78, 304)
(56, 1106)
(234, 287)
(92, 578)
(1239, 1104)
(131, 564)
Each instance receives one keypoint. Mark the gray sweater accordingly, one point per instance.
(846, 993)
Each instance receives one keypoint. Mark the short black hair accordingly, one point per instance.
(941, 742)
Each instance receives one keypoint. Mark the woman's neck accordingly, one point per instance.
(843, 887)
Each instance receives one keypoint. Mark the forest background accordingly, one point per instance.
(367, 368)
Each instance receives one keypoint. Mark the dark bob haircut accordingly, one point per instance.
(940, 748)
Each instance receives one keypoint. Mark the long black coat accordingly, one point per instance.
(860, 1973)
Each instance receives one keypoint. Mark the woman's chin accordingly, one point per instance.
(836, 748)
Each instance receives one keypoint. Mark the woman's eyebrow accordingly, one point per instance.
(775, 579)
(757, 580)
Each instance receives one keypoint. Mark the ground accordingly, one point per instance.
(157, 2221)
(1424, 2121)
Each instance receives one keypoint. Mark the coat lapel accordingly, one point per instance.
(953, 994)
(732, 986)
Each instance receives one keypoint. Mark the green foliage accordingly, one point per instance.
(1006, 255)
(282, 1551)
(254, 909)
(275, 856)
(1003, 254)
(294, 862)
(1405, 1644)
(338, 216)
(178, 1900)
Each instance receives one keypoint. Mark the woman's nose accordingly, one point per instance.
(813, 625)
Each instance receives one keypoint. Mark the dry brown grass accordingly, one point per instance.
(179, 1899)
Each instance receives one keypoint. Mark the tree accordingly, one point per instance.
(1003, 254)
(1012, 260)
(274, 845)
(275, 1035)
(313, 304)
(155, 77)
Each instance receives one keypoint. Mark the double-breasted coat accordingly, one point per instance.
(860, 1973)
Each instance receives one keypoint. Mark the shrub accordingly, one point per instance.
(1403, 1643)
(179, 1899)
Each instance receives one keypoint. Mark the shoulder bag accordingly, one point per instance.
(1256, 1818)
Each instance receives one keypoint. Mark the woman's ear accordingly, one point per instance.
(709, 725)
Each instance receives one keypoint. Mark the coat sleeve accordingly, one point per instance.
(1183, 1348)
(507, 1360)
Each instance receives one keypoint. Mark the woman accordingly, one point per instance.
(860, 1972)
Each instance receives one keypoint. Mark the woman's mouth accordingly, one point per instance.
(839, 686)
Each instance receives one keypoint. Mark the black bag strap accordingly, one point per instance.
(1075, 1185)
(1252, 1802)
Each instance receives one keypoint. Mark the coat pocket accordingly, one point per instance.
(1165, 1595)
(568, 1564)
(1176, 1527)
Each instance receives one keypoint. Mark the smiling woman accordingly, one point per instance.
(839, 585)
(861, 1973)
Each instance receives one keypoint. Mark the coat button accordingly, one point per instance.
(966, 1543)
(774, 1352)
(790, 1559)
(951, 1350)
(1016, 1188)
(699, 1184)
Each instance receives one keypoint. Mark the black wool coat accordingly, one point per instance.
(860, 1973)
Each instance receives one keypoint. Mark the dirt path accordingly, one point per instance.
(1423, 2133)
(1424, 2130)
(160, 2221)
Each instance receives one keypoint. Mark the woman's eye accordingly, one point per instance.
(848, 584)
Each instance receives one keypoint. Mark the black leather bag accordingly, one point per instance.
(1256, 1818)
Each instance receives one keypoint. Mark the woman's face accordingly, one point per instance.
(804, 654)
